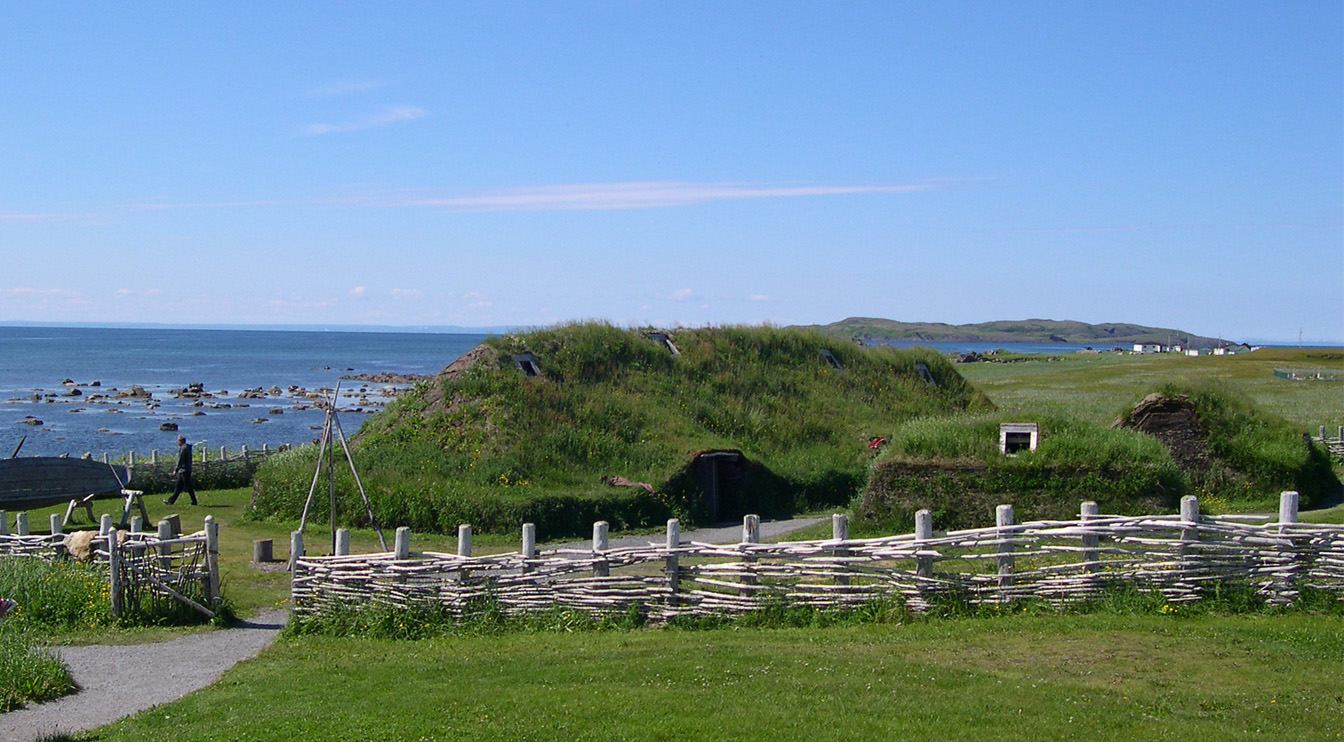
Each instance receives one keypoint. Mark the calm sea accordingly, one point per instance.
(36, 360)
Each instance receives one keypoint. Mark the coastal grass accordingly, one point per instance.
(497, 448)
(1100, 387)
(28, 675)
(1012, 677)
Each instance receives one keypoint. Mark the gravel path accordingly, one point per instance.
(114, 684)
(721, 535)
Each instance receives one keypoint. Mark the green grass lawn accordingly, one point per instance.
(1100, 387)
(1009, 678)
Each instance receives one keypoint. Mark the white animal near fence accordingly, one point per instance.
(1183, 557)
(143, 568)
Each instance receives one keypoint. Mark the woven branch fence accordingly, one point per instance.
(148, 572)
(1183, 557)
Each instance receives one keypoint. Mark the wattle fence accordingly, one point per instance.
(148, 572)
(1183, 557)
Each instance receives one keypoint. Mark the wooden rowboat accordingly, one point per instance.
(41, 481)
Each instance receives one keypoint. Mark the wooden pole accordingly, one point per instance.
(1003, 521)
(21, 524)
(670, 565)
(1091, 542)
(317, 472)
(1288, 507)
(342, 542)
(402, 543)
(4, 523)
(114, 572)
(751, 534)
(368, 507)
(601, 568)
(840, 533)
(212, 560)
(104, 524)
(464, 540)
(54, 522)
(923, 532)
(165, 531)
(529, 550)
(295, 549)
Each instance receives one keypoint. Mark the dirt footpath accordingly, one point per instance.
(113, 682)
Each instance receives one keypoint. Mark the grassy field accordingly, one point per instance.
(1101, 387)
(1100, 676)
(1009, 678)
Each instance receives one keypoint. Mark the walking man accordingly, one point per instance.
(182, 472)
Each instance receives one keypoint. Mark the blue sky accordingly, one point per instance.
(504, 163)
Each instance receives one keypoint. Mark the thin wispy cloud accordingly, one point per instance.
(33, 216)
(566, 197)
(30, 291)
(682, 295)
(357, 291)
(346, 87)
(647, 194)
(406, 293)
(394, 115)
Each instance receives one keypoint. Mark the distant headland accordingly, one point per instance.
(1014, 331)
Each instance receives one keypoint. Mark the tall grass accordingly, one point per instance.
(55, 596)
(493, 446)
(27, 675)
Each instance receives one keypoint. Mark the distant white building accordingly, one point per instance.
(1147, 348)
(1192, 352)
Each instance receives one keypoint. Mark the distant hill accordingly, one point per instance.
(1014, 331)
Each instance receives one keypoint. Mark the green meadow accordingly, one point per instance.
(1122, 672)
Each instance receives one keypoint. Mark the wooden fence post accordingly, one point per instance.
(401, 547)
(1285, 582)
(601, 567)
(104, 524)
(1091, 543)
(670, 565)
(137, 524)
(165, 552)
(114, 572)
(154, 457)
(1003, 521)
(751, 534)
(1287, 507)
(529, 550)
(21, 524)
(54, 522)
(342, 542)
(4, 523)
(464, 540)
(840, 533)
(923, 532)
(211, 560)
(295, 548)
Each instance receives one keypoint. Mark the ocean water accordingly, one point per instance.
(36, 360)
